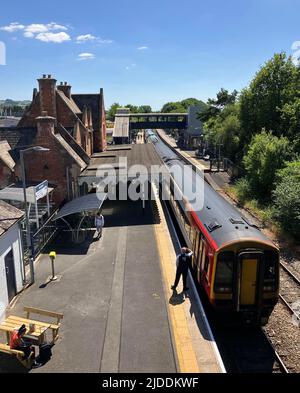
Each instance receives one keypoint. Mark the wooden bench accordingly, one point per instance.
(53, 326)
(18, 354)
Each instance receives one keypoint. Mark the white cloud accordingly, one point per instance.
(40, 31)
(91, 38)
(142, 48)
(57, 38)
(12, 27)
(85, 37)
(86, 56)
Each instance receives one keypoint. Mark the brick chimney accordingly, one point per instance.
(45, 126)
(65, 88)
(47, 86)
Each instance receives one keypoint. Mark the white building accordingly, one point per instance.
(11, 255)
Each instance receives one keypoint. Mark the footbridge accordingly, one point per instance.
(126, 121)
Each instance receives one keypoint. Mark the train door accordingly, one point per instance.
(249, 263)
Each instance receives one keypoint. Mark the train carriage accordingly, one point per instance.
(235, 264)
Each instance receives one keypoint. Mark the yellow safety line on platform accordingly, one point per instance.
(185, 352)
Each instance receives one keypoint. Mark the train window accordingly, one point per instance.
(203, 255)
(224, 272)
(271, 271)
(200, 249)
(206, 263)
(193, 235)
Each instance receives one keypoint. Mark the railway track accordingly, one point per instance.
(262, 350)
(290, 291)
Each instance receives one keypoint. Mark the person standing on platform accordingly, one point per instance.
(182, 260)
(99, 223)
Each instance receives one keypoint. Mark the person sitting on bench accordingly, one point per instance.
(17, 342)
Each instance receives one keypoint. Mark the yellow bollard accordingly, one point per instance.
(52, 256)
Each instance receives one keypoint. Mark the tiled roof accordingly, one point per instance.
(9, 215)
(69, 102)
(18, 137)
(69, 149)
(9, 121)
(92, 101)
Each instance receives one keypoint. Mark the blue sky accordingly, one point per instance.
(143, 52)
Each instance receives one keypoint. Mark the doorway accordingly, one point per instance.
(10, 275)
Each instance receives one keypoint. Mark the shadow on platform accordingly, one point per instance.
(116, 214)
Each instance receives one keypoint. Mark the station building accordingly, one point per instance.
(11, 255)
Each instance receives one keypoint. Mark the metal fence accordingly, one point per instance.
(40, 238)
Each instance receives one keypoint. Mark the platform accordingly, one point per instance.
(119, 313)
(187, 155)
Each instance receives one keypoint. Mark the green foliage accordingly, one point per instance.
(275, 85)
(173, 107)
(290, 116)
(223, 99)
(242, 190)
(182, 106)
(144, 109)
(215, 106)
(133, 108)
(224, 129)
(267, 154)
(110, 115)
(287, 198)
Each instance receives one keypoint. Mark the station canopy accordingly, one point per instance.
(89, 202)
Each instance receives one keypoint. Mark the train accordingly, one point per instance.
(150, 137)
(235, 265)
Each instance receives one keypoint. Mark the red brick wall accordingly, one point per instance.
(47, 87)
(100, 136)
(28, 120)
(50, 165)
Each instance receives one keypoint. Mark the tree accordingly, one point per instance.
(224, 98)
(193, 102)
(133, 108)
(182, 106)
(290, 116)
(144, 109)
(110, 115)
(266, 154)
(215, 106)
(287, 197)
(173, 107)
(275, 85)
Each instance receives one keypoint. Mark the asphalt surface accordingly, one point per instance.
(111, 294)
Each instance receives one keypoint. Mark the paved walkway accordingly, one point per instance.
(120, 314)
(115, 317)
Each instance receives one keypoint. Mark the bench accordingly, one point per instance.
(18, 354)
(53, 326)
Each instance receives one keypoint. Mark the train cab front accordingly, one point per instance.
(246, 283)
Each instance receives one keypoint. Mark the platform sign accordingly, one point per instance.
(41, 190)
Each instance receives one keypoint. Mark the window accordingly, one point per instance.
(271, 271)
(224, 272)
(200, 249)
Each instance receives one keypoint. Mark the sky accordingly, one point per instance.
(142, 52)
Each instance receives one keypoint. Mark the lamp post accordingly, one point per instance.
(28, 234)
